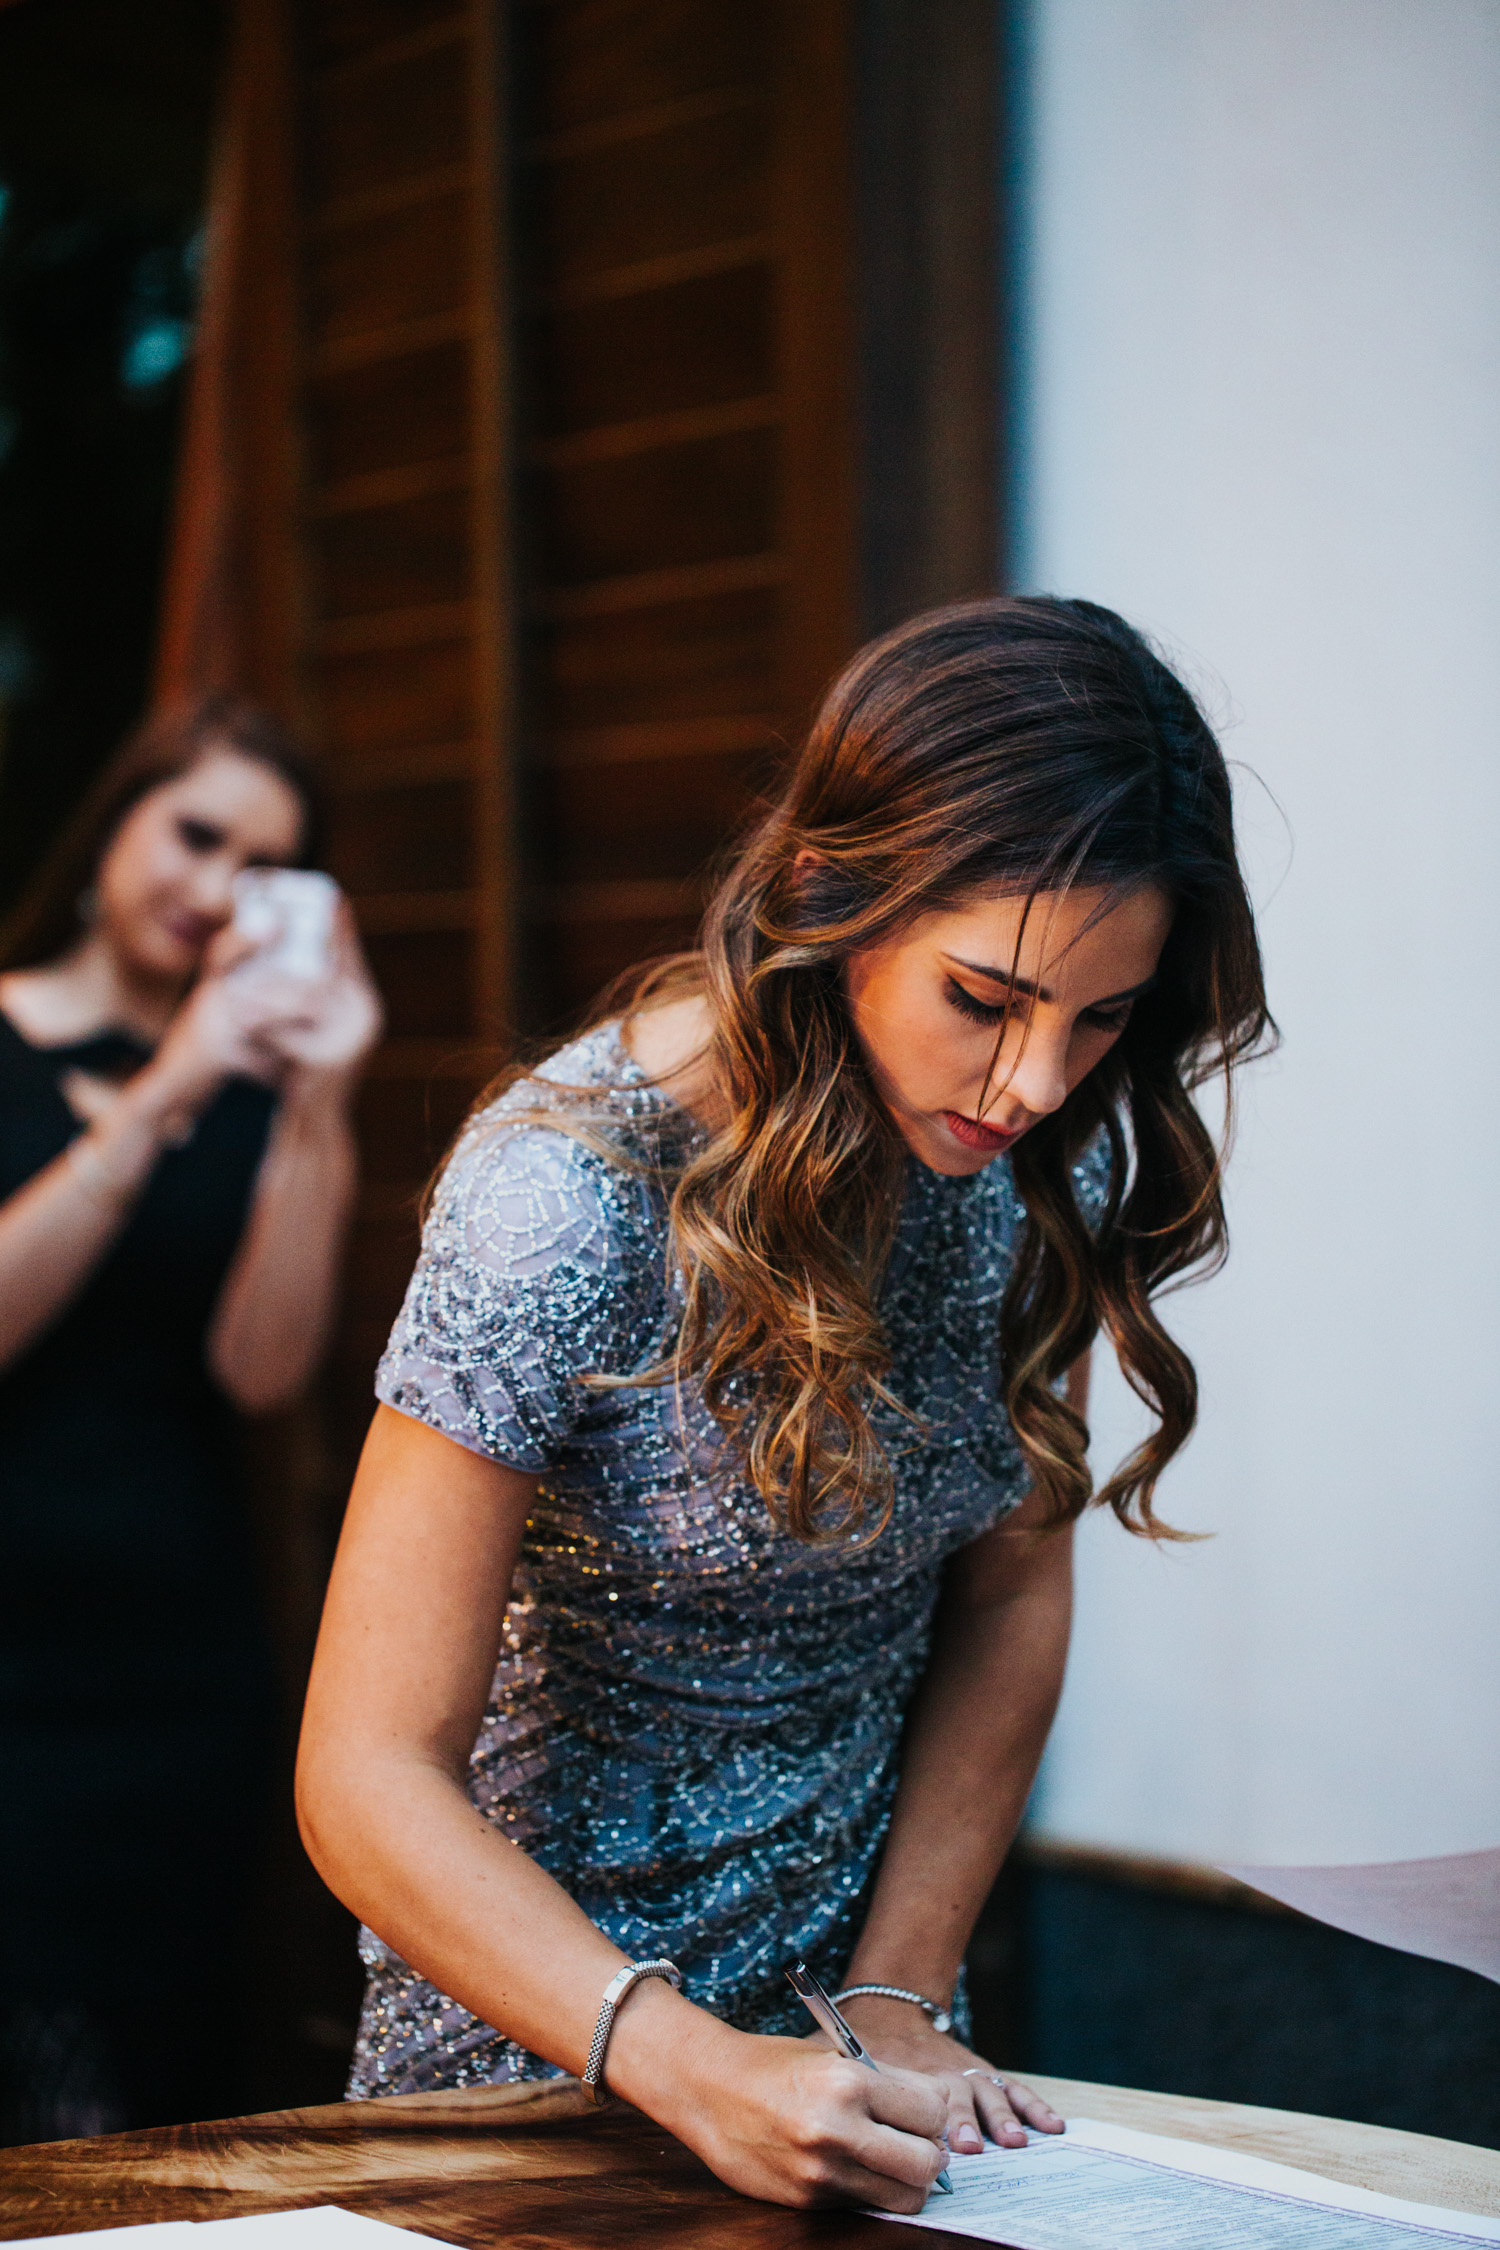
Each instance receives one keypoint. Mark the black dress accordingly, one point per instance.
(136, 1703)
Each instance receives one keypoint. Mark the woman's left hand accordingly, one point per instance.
(983, 2102)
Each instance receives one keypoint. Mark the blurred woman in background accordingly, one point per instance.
(176, 1172)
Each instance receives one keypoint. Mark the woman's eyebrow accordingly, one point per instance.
(1029, 991)
(1022, 985)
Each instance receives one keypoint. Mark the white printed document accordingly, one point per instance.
(1105, 2187)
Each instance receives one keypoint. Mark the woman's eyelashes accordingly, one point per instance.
(1105, 1018)
(976, 1010)
(199, 836)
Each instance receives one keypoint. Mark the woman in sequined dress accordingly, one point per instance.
(705, 1586)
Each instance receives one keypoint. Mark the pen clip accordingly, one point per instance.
(806, 1986)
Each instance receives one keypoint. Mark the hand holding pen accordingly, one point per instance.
(828, 2020)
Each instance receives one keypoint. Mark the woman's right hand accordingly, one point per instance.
(224, 1029)
(792, 2123)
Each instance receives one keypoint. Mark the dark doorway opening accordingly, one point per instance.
(104, 130)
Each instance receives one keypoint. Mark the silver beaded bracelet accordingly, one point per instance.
(633, 1973)
(940, 2017)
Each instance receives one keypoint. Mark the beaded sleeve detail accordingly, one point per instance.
(523, 1289)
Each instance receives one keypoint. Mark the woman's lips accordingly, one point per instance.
(190, 929)
(972, 1134)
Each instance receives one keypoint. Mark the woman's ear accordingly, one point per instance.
(806, 860)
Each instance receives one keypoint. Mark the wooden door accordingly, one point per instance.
(688, 475)
(408, 542)
(578, 394)
(646, 358)
(756, 305)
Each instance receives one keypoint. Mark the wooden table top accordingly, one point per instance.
(534, 2166)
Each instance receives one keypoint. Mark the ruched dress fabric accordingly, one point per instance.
(695, 1719)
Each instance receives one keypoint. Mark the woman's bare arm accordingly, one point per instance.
(56, 1229)
(276, 1307)
(970, 1755)
(277, 1303)
(972, 1746)
(397, 1694)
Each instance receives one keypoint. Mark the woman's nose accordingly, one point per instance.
(1039, 1078)
(213, 887)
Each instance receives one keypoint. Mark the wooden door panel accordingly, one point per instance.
(648, 818)
(698, 343)
(609, 57)
(391, 1216)
(427, 979)
(408, 542)
(409, 837)
(406, 1123)
(378, 123)
(584, 945)
(704, 658)
(383, 699)
(400, 409)
(656, 194)
(339, 29)
(647, 543)
(680, 223)
(384, 1249)
(681, 504)
(390, 268)
(405, 556)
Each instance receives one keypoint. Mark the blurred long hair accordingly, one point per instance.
(1012, 745)
(45, 922)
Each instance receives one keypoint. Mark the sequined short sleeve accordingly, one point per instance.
(521, 1291)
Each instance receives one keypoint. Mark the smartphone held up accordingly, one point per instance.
(287, 913)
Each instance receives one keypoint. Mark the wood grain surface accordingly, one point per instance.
(534, 2168)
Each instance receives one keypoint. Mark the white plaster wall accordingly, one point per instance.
(1262, 355)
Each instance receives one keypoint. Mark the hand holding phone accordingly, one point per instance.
(304, 969)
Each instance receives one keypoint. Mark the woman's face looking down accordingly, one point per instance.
(165, 884)
(928, 1006)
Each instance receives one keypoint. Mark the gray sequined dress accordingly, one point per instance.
(695, 1719)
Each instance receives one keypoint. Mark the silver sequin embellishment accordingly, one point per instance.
(695, 1719)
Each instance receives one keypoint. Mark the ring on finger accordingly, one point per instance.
(993, 2076)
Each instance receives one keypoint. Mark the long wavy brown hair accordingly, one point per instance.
(1012, 745)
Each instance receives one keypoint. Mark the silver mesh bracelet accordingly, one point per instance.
(633, 1973)
(941, 2018)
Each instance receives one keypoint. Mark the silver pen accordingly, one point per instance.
(827, 2018)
